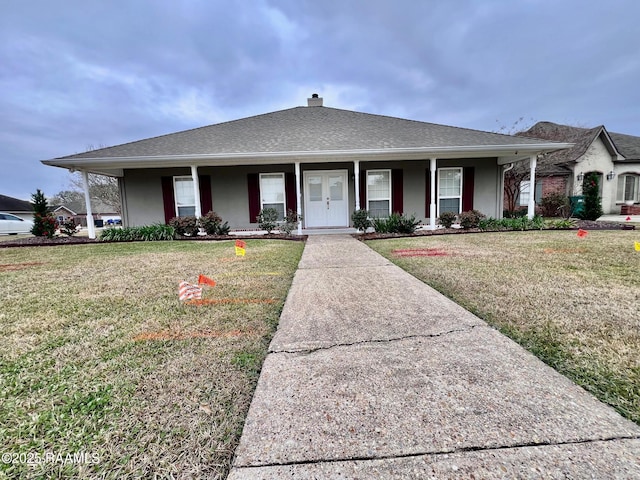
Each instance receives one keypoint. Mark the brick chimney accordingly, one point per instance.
(314, 101)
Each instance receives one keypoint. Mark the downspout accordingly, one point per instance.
(501, 191)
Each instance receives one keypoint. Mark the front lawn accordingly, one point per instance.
(574, 302)
(99, 357)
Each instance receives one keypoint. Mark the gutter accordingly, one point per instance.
(306, 156)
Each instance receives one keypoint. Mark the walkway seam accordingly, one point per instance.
(382, 340)
(444, 452)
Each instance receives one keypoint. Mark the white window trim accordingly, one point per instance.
(620, 195)
(378, 170)
(284, 190)
(175, 193)
(440, 197)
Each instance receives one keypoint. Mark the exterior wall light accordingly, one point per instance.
(610, 175)
(580, 176)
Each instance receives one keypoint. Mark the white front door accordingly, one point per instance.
(326, 202)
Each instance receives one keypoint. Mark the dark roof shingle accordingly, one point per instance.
(10, 204)
(305, 129)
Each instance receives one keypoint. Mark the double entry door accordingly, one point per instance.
(326, 202)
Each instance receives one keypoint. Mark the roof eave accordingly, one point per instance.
(113, 164)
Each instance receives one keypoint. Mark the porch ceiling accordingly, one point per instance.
(114, 166)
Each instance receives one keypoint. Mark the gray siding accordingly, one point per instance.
(142, 189)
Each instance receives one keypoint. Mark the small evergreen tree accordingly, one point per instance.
(592, 209)
(44, 224)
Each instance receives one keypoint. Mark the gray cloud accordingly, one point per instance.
(78, 73)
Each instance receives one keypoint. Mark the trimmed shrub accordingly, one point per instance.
(212, 224)
(147, 233)
(446, 219)
(290, 222)
(396, 223)
(268, 219)
(471, 219)
(186, 226)
(361, 220)
(565, 224)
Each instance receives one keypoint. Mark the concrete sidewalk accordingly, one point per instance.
(373, 374)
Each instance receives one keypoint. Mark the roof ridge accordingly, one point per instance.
(420, 122)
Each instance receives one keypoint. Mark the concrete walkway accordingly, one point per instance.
(373, 374)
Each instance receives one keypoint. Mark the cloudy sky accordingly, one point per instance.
(77, 74)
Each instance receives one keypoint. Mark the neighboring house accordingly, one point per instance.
(322, 162)
(62, 213)
(613, 156)
(17, 207)
(100, 211)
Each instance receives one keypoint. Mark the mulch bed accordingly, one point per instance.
(50, 242)
(580, 224)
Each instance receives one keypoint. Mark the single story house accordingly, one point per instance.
(62, 213)
(615, 157)
(321, 162)
(17, 207)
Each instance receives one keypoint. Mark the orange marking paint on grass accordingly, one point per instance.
(420, 252)
(18, 266)
(173, 335)
(218, 301)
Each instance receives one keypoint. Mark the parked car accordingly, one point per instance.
(12, 225)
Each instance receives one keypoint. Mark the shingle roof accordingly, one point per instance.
(305, 129)
(10, 204)
(627, 145)
(557, 163)
(580, 137)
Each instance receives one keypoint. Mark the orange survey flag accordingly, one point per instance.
(582, 233)
(202, 280)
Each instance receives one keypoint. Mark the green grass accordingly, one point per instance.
(100, 356)
(572, 302)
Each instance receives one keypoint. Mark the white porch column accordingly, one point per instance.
(196, 190)
(87, 201)
(531, 207)
(298, 198)
(356, 179)
(432, 204)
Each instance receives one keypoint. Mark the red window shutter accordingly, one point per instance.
(206, 202)
(363, 190)
(168, 199)
(253, 186)
(290, 190)
(397, 194)
(467, 188)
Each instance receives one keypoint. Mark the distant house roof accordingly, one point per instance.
(57, 208)
(10, 204)
(559, 162)
(303, 134)
(627, 145)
